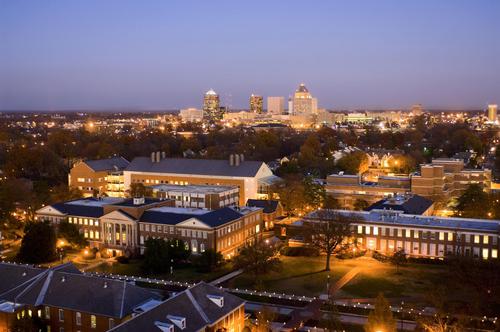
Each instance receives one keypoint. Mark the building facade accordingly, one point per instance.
(275, 105)
(198, 196)
(191, 115)
(493, 113)
(421, 236)
(211, 106)
(236, 171)
(256, 104)
(103, 176)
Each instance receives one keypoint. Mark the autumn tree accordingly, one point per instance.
(361, 205)
(291, 193)
(139, 190)
(314, 193)
(380, 318)
(354, 163)
(328, 232)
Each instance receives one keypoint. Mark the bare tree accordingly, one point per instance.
(328, 232)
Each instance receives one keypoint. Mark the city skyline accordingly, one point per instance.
(351, 55)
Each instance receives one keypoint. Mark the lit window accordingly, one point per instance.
(257, 228)
(400, 232)
(47, 312)
(407, 233)
(96, 234)
(93, 322)
(367, 230)
(415, 234)
(96, 223)
(61, 315)
(494, 253)
(476, 238)
(78, 318)
(85, 221)
(441, 236)
(91, 234)
(486, 239)
(485, 253)
(450, 236)
(375, 230)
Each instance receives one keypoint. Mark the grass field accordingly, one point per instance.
(306, 276)
(188, 273)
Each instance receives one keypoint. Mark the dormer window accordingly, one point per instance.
(165, 327)
(180, 322)
(217, 299)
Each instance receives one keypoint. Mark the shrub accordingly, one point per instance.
(122, 259)
(299, 251)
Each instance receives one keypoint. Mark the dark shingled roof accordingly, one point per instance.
(79, 210)
(269, 206)
(192, 304)
(409, 205)
(213, 218)
(195, 167)
(110, 164)
(59, 287)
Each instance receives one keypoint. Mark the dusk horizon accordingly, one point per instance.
(351, 55)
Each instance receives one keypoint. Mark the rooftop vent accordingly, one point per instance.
(180, 322)
(217, 299)
(164, 327)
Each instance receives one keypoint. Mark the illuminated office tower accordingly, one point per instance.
(492, 112)
(211, 106)
(302, 102)
(256, 104)
(275, 105)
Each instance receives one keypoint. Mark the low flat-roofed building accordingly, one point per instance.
(202, 307)
(271, 210)
(347, 189)
(388, 231)
(407, 204)
(198, 196)
(64, 299)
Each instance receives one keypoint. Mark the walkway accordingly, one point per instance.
(344, 280)
(226, 277)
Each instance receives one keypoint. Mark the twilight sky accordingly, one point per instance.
(113, 54)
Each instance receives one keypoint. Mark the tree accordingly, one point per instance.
(62, 193)
(314, 193)
(331, 202)
(38, 244)
(71, 233)
(328, 232)
(361, 205)
(310, 152)
(263, 319)
(208, 260)
(473, 203)
(354, 163)
(160, 254)
(139, 190)
(291, 193)
(398, 259)
(380, 318)
(258, 259)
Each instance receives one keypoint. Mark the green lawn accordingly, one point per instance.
(306, 276)
(188, 273)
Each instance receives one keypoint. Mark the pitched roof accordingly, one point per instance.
(86, 207)
(192, 304)
(170, 217)
(195, 167)
(269, 206)
(414, 204)
(90, 294)
(109, 164)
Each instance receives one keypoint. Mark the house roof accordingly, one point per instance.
(209, 167)
(413, 204)
(173, 216)
(90, 294)
(269, 206)
(193, 305)
(109, 164)
(86, 207)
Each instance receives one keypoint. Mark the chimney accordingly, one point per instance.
(158, 156)
(163, 155)
(242, 157)
(152, 157)
(231, 160)
(236, 160)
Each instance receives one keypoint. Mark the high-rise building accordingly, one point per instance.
(275, 105)
(492, 112)
(302, 102)
(256, 104)
(211, 106)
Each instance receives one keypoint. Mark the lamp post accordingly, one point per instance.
(402, 314)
